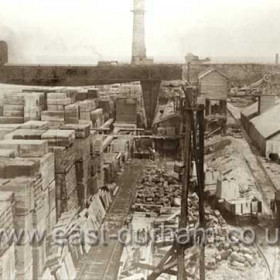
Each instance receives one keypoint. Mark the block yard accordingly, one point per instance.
(139, 171)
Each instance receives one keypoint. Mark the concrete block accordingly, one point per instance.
(61, 273)
(47, 169)
(23, 222)
(56, 107)
(52, 116)
(23, 189)
(62, 96)
(11, 120)
(72, 113)
(13, 110)
(35, 125)
(227, 190)
(81, 130)
(56, 124)
(51, 196)
(88, 105)
(26, 148)
(13, 98)
(46, 275)
(7, 128)
(70, 267)
(92, 93)
(25, 134)
(16, 167)
(58, 101)
(39, 259)
(64, 158)
(7, 213)
(63, 138)
(82, 149)
(65, 183)
(51, 220)
(24, 260)
(8, 264)
(33, 113)
(7, 153)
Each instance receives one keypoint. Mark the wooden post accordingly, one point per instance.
(200, 117)
(199, 162)
(176, 255)
(184, 204)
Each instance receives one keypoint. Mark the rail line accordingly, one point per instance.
(101, 263)
(256, 154)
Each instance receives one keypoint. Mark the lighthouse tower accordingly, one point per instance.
(138, 44)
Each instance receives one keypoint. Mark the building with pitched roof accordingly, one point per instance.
(264, 130)
(214, 84)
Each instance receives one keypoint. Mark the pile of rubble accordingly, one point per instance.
(157, 211)
(157, 190)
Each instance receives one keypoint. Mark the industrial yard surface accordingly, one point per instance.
(143, 168)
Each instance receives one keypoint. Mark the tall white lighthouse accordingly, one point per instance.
(138, 45)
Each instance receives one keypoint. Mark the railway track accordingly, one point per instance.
(268, 179)
(264, 183)
(102, 262)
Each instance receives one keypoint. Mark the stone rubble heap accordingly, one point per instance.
(158, 198)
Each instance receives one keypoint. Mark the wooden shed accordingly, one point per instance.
(265, 129)
(249, 113)
(214, 84)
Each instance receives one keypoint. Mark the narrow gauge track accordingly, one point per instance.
(102, 262)
(257, 154)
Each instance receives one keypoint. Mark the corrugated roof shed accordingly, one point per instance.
(250, 110)
(268, 123)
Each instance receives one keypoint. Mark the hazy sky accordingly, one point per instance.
(85, 31)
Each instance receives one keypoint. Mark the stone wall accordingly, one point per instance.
(239, 74)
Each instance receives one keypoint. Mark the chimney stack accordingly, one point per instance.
(277, 58)
(138, 45)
